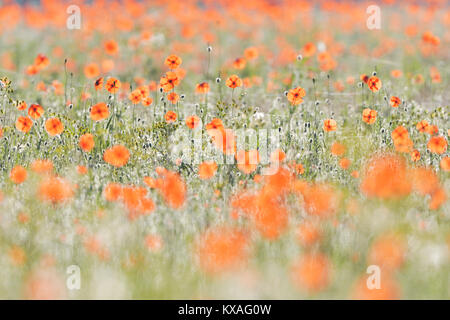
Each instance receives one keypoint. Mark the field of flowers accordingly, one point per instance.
(224, 149)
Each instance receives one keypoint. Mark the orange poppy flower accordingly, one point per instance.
(152, 85)
(173, 97)
(399, 133)
(85, 96)
(117, 156)
(32, 70)
(150, 182)
(154, 243)
(82, 170)
(135, 96)
(395, 102)
(432, 129)
(430, 38)
(388, 252)
(308, 233)
(24, 124)
(17, 256)
(135, 200)
(18, 174)
(172, 188)
(415, 155)
(364, 78)
(215, 124)
(425, 181)
(23, 217)
(170, 116)
(438, 198)
(169, 81)
(113, 85)
(54, 126)
(99, 111)
(295, 96)
(435, 75)
(268, 215)
(445, 163)
(320, 200)
(234, 81)
(296, 167)
(309, 49)
(223, 139)
(422, 126)
(41, 61)
(113, 191)
(344, 163)
(437, 144)
(374, 84)
(22, 106)
(337, 149)
(207, 169)
(251, 53)
(35, 111)
(312, 272)
(91, 70)
(173, 61)
(329, 125)
(55, 190)
(418, 79)
(111, 47)
(87, 142)
(388, 290)
(369, 116)
(98, 84)
(247, 161)
(386, 177)
(396, 73)
(403, 145)
(107, 65)
(147, 101)
(222, 249)
(192, 121)
(202, 88)
(239, 63)
(42, 166)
